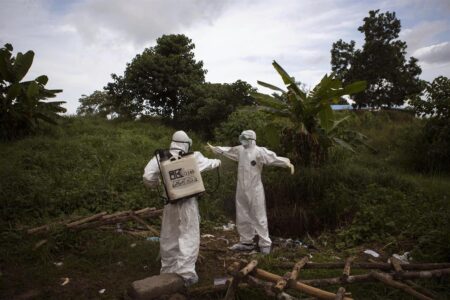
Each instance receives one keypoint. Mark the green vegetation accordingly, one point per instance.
(22, 104)
(313, 127)
(88, 165)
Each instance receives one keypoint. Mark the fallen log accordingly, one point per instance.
(340, 294)
(362, 265)
(388, 280)
(337, 280)
(423, 274)
(47, 227)
(86, 220)
(268, 288)
(396, 264)
(368, 278)
(299, 286)
(118, 219)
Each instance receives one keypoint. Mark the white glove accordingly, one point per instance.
(291, 166)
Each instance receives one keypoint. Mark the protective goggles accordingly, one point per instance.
(245, 138)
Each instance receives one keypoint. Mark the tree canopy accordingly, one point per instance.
(157, 80)
(382, 63)
(167, 81)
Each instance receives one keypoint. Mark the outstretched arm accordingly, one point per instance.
(204, 163)
(229, 152)
(270, 158)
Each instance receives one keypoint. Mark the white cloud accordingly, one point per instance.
(434, 54)
(423, 33)
(139, 21)
(78, 44)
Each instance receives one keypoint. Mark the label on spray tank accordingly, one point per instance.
(182, 177)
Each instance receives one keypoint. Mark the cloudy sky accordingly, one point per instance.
(79, 43)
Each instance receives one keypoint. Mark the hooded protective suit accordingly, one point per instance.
(180, 228)
(251, 217)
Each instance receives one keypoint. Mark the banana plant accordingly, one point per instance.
(310, 113)
(22, 103)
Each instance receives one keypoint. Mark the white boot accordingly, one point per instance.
(242, 247)
(264, 250)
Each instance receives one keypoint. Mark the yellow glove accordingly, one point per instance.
(208, 147)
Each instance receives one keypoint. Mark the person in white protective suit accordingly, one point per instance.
(180, 228)
(251, 217)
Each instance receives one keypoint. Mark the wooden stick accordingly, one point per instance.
(266, 286)
(361, 265)
(346, 271)
(338, 280)
(299, 286)
(247, 269)
(340, 294)
(86, 220)
(290, 278)
(144, 210)
(118, 219)
(150, 228)
(368, 277)
(295, 271)
(148, 211)
(387, 279)
(116, 215)
(424, 274)
(282, 283)
(396, 264)
(47, 227)
(234, 282)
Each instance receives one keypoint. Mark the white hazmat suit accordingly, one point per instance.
(251, 217)
(180, 228)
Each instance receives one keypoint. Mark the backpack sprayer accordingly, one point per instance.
(180, 174)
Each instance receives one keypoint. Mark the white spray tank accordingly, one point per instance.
(180, 175)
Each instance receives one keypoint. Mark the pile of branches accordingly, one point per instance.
(103, 219)
(395, 274)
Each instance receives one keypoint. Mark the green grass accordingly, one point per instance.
(89, 165)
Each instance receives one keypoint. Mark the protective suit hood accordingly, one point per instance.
(181, 141)
(248, 138)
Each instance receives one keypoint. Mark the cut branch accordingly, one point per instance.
(340, 294)
(86, 220)
(361, 265)
(247, 269)
(299, 286)
(387, 279)
(346, 272)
